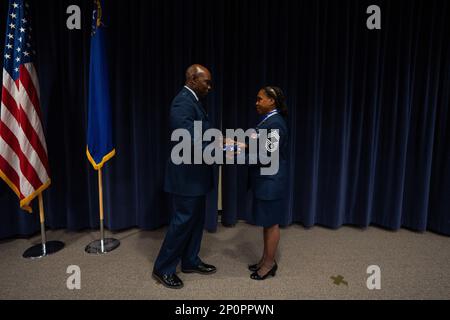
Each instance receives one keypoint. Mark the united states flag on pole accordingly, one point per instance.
(23, 151)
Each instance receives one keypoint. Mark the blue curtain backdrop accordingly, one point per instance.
(369, 118)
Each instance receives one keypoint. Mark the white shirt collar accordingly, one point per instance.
(192, 92)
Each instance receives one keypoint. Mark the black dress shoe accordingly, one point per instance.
(256, 276)
(168, 280)
(202, 268)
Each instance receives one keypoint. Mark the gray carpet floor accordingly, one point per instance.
(413, 266)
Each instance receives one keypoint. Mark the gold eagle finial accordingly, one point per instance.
(99, 12)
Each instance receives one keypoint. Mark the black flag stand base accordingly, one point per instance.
(103, 245)
(43, 249)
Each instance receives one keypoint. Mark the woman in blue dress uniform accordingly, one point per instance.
(269, 190)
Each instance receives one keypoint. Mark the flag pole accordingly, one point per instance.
(42, 220)
(45, 247)
(103, 245)
(99, 138)
(100, 204)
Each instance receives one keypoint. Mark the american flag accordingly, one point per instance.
(23, 150)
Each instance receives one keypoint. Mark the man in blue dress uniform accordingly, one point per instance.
(188, 184)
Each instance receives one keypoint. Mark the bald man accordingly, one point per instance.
(188, 185)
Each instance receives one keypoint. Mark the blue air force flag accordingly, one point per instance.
(99, 136)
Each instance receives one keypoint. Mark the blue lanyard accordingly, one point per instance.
(271, 113)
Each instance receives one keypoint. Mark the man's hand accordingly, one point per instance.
(231, 142)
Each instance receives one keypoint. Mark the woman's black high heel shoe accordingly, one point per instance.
(256, 276)
(254, 267)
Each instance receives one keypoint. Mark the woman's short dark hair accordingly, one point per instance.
(278, 96)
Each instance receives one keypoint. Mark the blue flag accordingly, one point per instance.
(99, 136)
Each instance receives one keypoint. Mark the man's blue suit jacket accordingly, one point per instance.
(188, 179)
